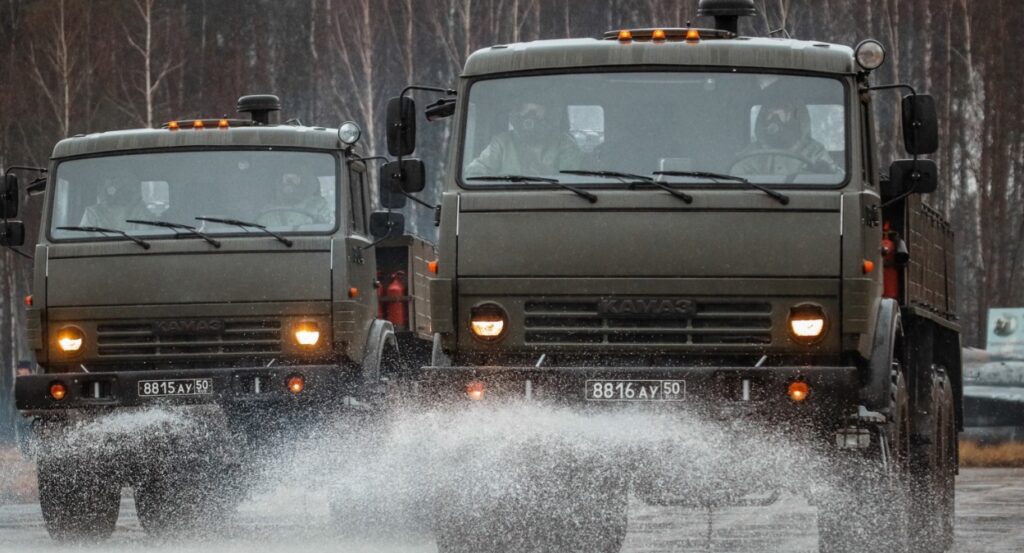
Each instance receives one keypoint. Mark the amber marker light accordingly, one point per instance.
(658, 34)
(296, 383)
(307, 334)
(197, 124)
(432, 266)
(28, 300)
(798, 391)
(868, 266)
(70, 339)
(172, 126)
(476, 390)
(692, 35)
(625, 36)
(353, 292)
(223, 124)
(58, 391)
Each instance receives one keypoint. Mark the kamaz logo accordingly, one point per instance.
(188, 326)
(646, 308)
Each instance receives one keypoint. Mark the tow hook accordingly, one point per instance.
(857, 435)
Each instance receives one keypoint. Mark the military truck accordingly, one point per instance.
(222, 270)
(689, 218)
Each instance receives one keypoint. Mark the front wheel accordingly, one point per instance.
(80, 501)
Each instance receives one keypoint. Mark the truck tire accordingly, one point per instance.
(866, 511)
(934, 469)
(80, 501)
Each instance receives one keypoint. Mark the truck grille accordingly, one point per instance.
(715, 323)
(239, 337)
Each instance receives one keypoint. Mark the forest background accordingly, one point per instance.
(81, 66)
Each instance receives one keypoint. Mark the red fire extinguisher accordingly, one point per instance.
(396, 312)
(380, 295)
(891, 274)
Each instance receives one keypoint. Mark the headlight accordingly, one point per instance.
(870, 54)
(488, 322)
(70, 339)
(307, 334)
(807, 323)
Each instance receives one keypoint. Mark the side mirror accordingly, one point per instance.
(409, 177)
(12, 233)
(8, 197)
(388, 190)
(920, 125)
(401, 126)
(907, 175)
(385, 224)
(441, 109)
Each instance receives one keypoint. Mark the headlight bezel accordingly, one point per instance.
(488, 313)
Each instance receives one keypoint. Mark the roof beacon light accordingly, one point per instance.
(172, 126)
(223, 124)
(870, 54)
(658, 35)
(625, 35)
(692, 35)
(197, 124)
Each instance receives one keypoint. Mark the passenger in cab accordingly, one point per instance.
(536, 145)
(119, 199)
(297, 201)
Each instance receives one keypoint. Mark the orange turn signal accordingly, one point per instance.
(476, 390)
(58, 391)
(432, 266)
(868, 266)
(296, 384)
(353, 292)
(28, 300)
(798, 391)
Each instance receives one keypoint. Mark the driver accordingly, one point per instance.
(296, 202)
(119, 199)
(783, 144)
(534, 147)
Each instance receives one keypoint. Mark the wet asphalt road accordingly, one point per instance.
(990, 519)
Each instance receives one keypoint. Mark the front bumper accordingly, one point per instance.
(726, 391)
(246, 385)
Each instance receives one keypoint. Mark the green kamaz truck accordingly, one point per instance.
(224, 271)
(690, 218)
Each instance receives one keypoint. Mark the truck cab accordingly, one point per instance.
(690, 218)
(216, 266)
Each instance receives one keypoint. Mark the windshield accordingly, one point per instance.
(769, 129)
(285, 191)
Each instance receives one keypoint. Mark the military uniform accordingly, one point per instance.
(508, 155)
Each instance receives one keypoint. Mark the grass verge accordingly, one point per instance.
(1005, 455)
(17, 477)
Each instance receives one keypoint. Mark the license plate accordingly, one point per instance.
(176, 387)
(635, 390)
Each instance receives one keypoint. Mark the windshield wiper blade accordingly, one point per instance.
(101, 230)
(633, 179)
(245, 225)
(177, 226)
(779, 196)
(526, 178)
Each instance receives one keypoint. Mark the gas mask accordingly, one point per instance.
(530, 123)
(289, 187)
(781, 129)
(120, 192)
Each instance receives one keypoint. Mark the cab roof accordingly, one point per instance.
(281, 136)
(741, 52)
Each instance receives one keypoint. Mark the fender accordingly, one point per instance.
(874, 393)
(381, 335)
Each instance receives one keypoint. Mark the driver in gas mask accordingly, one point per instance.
(783, 144)
(535, 146)
(119, 199)
(296, 202)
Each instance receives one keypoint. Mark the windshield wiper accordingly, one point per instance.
(782, 198)
(175, 227)
(101, 230)
(630, 178)
(525, 178)
(247, 225)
